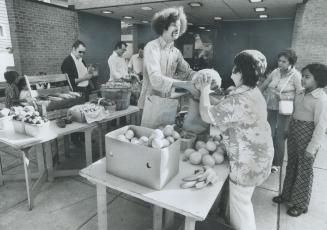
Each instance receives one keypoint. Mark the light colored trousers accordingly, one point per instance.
(240, 207)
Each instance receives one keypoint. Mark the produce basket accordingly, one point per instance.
(121, 96)
(58, 95)
(187, 140)
(19, 126)
(37, 130)
(6, 123)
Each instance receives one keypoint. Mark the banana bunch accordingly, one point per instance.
(200, 178)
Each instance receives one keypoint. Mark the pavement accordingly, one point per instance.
(69, 203)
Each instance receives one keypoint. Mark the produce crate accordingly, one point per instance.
(35, 130)
(19, 126)
(144, 165)
(121, 97)
(59, 83)
(6, 123)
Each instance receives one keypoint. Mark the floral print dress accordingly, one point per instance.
(242, 118)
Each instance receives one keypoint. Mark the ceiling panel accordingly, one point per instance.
(230, 10)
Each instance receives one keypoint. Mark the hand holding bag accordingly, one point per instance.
(285, 106)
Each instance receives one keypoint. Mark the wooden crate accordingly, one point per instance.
(59, 83)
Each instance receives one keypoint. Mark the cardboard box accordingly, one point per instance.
(141, 164)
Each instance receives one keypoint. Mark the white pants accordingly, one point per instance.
(240, 207)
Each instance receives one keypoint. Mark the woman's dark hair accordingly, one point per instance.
(245, 64)
(290, 55)
(319, 72)
(21, 83)
(11, 76)
(162, 19)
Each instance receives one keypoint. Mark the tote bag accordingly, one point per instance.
(285, 106)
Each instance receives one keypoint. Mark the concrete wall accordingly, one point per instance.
(100, 35)
(42, 35)
(269, 37)
(310, 32)
(142, 34)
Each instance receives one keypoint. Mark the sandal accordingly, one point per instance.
(278, 199)
(295, 211)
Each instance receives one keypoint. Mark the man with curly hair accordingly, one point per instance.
(164, 65)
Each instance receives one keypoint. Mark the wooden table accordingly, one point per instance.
(193, 204)
(23, 143)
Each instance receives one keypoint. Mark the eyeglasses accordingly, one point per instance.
(81, 52)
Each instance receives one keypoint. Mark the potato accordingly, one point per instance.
(157, 133)
(189, 151)
(170, 139)
(157, 143)
(165, 143)
(219, 158)
(203, 151)
(200, 145)
(211, 146)
(129, 134)
(176, 135)
(208, 160)
(168, 130)
(195, 158)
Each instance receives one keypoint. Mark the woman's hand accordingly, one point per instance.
(204, 82)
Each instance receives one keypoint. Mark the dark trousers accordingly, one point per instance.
(299, 171)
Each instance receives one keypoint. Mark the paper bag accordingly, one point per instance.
(159, 111)
(193, 121)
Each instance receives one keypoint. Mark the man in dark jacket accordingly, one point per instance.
(75, 67)
(79, 76)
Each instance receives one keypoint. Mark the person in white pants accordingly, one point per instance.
(242, 118)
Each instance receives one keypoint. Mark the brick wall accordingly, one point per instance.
(4, 23)
(42, 35)
(310, 32)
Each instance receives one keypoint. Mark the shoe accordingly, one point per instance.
(278, 199)
(275, 169)
(295, 211)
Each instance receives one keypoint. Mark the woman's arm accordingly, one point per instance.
(319, 135)
(265, 84)
(205, 105)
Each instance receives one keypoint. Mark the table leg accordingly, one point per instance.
(49, 162)
(1, 175)
(40, 159)
(169, 218)
(189, 223)
(102, 207)
(101, 138)
(27, 180)
(157, 217)
(67, 144)
(88, 146)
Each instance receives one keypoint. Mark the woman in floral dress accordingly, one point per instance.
(242, 118)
